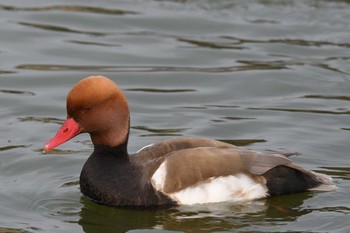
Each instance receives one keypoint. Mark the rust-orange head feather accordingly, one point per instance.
(91, 91)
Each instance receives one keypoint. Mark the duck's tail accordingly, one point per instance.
(290, 178)
(320, 182)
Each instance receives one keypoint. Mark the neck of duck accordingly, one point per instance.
(114, 137)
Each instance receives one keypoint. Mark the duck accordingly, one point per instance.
(173, 171)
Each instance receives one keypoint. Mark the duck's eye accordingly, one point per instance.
(86, 109)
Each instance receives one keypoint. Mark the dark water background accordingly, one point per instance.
(262, 74)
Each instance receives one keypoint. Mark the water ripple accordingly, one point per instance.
(299, 42)
(208, 44)
(85, 9)
(6, 72)
(330, 97)
(238, 118)
(339, 112)
(224, 69)
(232, 118)
(13, 147)
(159, 132)
(93, 43)
(54, 206)
(337, 172)
(157, 90)
(17, 92)
(50, 27)
(41, 119)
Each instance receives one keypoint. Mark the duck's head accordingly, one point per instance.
(97, 106)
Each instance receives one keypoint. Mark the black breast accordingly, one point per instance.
(110, 178)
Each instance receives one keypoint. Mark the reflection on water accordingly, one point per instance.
(197, 218)
(96, 218)
(11, 230)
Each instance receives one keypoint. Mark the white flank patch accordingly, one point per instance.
(226, 188)
(158, 177)
(149, 145)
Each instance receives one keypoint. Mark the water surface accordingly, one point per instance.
(261, 74)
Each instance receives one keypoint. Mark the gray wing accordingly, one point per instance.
(163, 148)
(188, 167)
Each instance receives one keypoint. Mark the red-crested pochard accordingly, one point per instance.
(172, 171)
